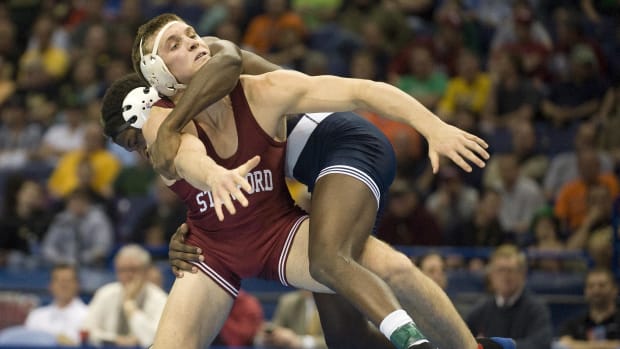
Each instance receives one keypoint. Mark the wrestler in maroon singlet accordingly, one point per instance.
(256, 240)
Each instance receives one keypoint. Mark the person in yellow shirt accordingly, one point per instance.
(92, 166)
(468, 90)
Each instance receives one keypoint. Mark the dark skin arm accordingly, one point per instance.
(213, 81)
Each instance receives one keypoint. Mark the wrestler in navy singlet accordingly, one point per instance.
(345, 143)
(256, 240)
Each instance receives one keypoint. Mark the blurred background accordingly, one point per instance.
(537, 79)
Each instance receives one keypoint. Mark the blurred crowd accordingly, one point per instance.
(538, 79)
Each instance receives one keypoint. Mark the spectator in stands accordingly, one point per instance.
(66, 135)
(532, 163)
(563, 167)
(468, 91)
(485, 229)
(295, 324)
(44, 64)
(126, 312)
(243, 323)
(64, 317)
(433, 265)
(598, 327)
(81, 234)
(19, 138)
(452, 204)
(91, 166)
(521, 197)
(511, 311)
(609, 140)
(24, 221)
(160, 219)
(595, 233)
(407, 221)
(514, 99)
(571, 206)
(422, 80)
(265, 29)
(546, 241)
(579, 97)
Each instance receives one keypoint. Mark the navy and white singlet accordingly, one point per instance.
(344, 142)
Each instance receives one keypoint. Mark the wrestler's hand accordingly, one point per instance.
(457, 145)
(226, 184)
(163, 151)
(179, 254)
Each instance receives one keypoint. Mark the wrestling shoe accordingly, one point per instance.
(496, 343)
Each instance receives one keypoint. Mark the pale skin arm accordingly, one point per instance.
(290, 92)
(194, 165)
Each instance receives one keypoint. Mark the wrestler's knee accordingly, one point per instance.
(396, 268)
(328, 267)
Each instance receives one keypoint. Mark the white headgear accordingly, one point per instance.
(154, 68)
(137, 105)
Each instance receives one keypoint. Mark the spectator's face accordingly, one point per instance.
(182, 50)
(421, 63)
(434, 267)
(129, 269)
(600, 291)
(589, 166)
(363, 67)
(524, 138)
(509, 170)
(64, 285)
(507, 276)
(78, 206)
(545, 229)
(30, 194)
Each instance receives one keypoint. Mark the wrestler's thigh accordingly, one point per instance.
(195, 311)
(298, 265)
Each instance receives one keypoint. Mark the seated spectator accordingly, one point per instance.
(532, 163)
(406, 220)
(19, 138)
(513, 98)
(65, 136)
(546, 241)
(64, 317)
(91, 166)
(266, 28)
(563, 167)
(423, 80)
(433, 265)
(295, 324)
(243, 323)
(485, 229)
(521, 197)
(80, 235)
(126, 312)
(571, 206)
(468, 91)
(598, 327)
(25, 220)
(452, 204)
(579, 97)
(511, 311)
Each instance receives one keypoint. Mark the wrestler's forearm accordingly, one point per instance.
(254, 64)
(392, 103)
(212, 82)
(192, 163)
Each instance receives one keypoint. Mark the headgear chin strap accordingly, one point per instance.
(137, 105)
(155, 70)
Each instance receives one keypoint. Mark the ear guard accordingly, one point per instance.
(154, 68)
(137, 105)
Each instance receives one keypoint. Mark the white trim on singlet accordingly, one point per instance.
(217, 278)
(355, 173)
(286, 249)
(298, 138)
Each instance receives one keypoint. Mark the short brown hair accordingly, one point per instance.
(509, 251)
(145, 32)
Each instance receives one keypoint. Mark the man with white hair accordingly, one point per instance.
(126, 312)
